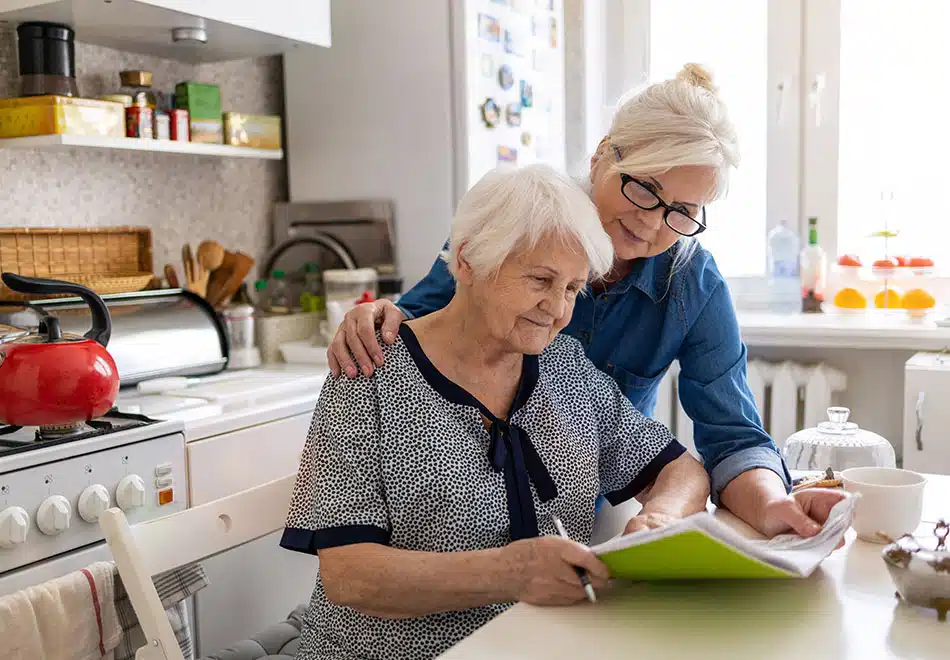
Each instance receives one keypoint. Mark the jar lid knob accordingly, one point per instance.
(838, 414)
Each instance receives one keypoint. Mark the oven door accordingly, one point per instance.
(50, 569)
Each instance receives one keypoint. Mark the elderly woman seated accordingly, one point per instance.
(429, 489)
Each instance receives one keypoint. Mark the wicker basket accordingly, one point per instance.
(106, 259)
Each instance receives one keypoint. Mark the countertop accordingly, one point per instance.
(233, 400)
(846, 609)
(839, 330)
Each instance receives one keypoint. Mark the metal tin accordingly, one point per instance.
(125, 99)
(179, 125)
(138, 122)
(136, 78)
(161, 125)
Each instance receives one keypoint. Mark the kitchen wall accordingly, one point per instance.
(181, 198)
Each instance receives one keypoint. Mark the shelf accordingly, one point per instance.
(136, 144)
(870, 331)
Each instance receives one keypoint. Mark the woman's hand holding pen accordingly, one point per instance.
(543, 570)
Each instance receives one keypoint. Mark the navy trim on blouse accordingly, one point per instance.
(309, 541)
(510, 450)
(647, 475)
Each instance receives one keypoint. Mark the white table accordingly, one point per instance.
(846, 609)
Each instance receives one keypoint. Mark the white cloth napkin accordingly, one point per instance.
(69, 618)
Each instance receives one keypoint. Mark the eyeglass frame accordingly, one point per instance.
(667, 209)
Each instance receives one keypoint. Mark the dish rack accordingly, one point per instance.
(105, 259)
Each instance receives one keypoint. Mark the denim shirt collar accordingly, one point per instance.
(648, 275)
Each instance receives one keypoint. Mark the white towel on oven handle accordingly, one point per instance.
(69, 618)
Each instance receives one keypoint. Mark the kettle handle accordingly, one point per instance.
(101, 322)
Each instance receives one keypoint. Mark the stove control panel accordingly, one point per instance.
(49, 509)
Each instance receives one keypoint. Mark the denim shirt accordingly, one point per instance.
(638, 327)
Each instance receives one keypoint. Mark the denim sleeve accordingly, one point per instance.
(714, 392)
(430, 294)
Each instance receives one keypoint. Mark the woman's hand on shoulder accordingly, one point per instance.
(543, 570)
(355, 340)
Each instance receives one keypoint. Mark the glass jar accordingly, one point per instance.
(312, 299)
(347, 287)
(279, 297)
(838, 444)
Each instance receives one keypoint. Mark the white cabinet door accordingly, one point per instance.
(235, 29)
(301, 20)
(256, 585)
(927, 397)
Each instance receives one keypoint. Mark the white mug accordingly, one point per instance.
(891, 501)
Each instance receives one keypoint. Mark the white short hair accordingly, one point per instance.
(512, 209)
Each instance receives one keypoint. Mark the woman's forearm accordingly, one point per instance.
(391, 583)
(681, 489)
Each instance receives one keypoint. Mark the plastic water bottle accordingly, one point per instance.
(783, 260)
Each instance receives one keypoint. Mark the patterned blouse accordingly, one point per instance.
(404, 459)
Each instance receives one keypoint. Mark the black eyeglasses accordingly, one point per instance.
(643, 195)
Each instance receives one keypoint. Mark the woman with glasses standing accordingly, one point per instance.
(668, 155)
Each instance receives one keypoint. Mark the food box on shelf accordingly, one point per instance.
(51, 115)
(203, 103)
(258, 131)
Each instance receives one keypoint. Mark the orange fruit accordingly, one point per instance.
(920, 262)
(849, 260)
(918, 299)
(888, 298)
(849, 298)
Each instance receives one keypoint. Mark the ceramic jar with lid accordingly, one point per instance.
(838, 444)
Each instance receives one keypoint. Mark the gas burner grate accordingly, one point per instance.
(113, 421)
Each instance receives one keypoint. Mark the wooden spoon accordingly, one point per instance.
(211, 254)
(242, 266)
(171, 276)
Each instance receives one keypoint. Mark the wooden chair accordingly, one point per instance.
(150, 548)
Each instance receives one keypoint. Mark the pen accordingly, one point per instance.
(581, 573)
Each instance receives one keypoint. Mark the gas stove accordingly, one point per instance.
(15, 439)
(53, 486)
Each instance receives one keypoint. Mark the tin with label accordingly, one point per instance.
(138, 122)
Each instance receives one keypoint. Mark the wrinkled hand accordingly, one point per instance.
(545, 570)
(803, 512)
(644, 521)
(356, 338)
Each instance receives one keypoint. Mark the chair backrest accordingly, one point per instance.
(150, 548)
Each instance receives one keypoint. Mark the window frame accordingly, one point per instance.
(623, 61)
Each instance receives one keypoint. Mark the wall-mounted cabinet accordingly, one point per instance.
(235, 29)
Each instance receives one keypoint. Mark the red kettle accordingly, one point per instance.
(52, 379)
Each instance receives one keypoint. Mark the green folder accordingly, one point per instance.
(703, 547)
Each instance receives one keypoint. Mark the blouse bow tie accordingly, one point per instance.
(510, 452)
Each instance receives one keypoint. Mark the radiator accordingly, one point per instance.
(789, 397)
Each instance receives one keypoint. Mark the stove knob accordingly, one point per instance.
(53, 516)
(93, 501)
(130, 493)
(14, 526)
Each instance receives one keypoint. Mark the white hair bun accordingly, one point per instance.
(697, 76)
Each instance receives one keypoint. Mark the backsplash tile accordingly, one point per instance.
(180, 197)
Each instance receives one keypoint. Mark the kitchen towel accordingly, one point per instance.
(173, 588)
(70, 618)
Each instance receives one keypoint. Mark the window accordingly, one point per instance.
(729, 39)
(753, 50)
(892, 136)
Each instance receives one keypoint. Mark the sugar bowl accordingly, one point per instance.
(921, 575)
